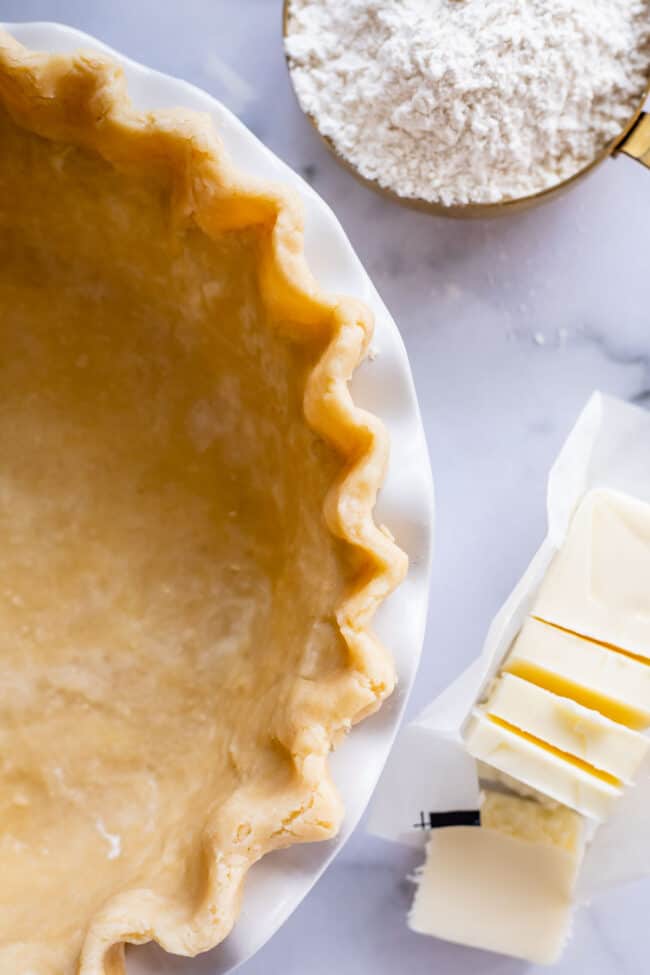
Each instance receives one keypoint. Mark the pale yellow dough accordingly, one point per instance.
(183, 631)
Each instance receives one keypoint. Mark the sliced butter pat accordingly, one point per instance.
(543, 768)
(568, 726)
(506, 886)
(592, 675)
(597, 584)
(491, 779)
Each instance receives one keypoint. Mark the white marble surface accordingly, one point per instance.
(510, 324)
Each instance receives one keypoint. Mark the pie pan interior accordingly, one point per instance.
(195, 462)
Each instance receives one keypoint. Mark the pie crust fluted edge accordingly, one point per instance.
(82, 99)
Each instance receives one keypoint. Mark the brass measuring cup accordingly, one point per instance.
(633, 141)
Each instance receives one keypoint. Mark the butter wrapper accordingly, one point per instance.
(429, 770)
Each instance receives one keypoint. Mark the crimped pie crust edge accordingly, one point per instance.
(82, 99)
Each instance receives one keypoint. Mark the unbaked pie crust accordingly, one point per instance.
(189, 564)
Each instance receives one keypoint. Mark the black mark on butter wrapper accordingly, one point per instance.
(453, 817)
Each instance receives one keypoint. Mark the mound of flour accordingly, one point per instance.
(459, 101)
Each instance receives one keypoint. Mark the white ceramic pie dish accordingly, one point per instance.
(384, 385)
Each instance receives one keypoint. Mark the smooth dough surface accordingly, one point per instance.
(166, 575)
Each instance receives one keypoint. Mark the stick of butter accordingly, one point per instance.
(597, 677)
(597, 585)
(542, 767)
(506, 886)
(569, 727)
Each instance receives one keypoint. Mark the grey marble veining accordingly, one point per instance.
(510, 324)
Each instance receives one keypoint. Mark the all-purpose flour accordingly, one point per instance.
(459, 101)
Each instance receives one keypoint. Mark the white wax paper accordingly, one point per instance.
(429, 769)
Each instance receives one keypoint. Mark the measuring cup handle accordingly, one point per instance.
(636, 143)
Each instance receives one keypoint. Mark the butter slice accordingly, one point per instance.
(505, 886)
(552, 774)
(598, 585)
(595, 676)
(570, 727)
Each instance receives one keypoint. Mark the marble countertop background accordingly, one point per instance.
(510, 324)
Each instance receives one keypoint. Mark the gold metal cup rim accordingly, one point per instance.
(476, 211)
